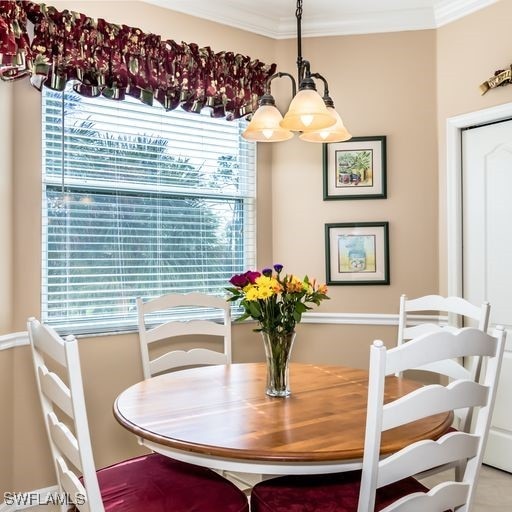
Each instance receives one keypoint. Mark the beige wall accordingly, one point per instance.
(6, 189)
(383, 84)
(6, 227)
(468, 53)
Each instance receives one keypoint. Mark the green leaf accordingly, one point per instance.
(254, 309)
(300, 307)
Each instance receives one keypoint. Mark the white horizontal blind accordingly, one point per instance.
(139, 202)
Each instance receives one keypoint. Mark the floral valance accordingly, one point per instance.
(102, 58)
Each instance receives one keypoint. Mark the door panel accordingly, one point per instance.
(487, 256)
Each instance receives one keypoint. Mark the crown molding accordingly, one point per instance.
(221, 11)
(252, 19)
(360, 23)
(447, 11)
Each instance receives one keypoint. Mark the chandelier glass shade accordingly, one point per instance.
(309, 113)
(335, 133)
(265, 126)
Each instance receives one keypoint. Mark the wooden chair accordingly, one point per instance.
(176, 359)
(451, 305)
(172, 328)
(456, 307)
(387, 484)
(150, 483)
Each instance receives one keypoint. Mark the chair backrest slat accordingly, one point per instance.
(431, 400)
(454, 306)
(64, 440)
(448, 367)
(420, 329)
(445, 496)
(51, 346)
(59, 398)
(189, 327)
(443, 345)
(172, 328)
(426, 454)
(181, 358)
(175, 300)
(55, 390)
(424, 402)
(71, 484)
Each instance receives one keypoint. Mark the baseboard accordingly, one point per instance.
(42, 493)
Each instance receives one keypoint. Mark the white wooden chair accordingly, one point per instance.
(174, 359)
(456, 307)
(459, 311)
(386, 484)
(149, 483)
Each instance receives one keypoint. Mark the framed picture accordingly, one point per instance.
(355, 169)
(357, 253)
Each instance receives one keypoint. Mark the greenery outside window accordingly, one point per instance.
(139, 202)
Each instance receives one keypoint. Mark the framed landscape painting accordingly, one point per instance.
(355, 169)
(357, 253)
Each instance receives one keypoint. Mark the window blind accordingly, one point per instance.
(139, 202)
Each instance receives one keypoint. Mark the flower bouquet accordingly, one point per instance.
(276, 301)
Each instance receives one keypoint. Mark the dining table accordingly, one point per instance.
(220, 417)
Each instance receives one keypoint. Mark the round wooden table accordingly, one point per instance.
(220, 417)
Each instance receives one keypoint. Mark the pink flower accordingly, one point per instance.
(252, 276)
(242, 280)
(239, 280)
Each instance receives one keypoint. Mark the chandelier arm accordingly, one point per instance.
(326, 97)
(279, 75)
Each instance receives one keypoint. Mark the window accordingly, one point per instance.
(138, 202)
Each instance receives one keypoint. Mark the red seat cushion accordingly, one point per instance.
(323, 493)
(154, 483)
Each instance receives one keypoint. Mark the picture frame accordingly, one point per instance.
(355, 169)
(357, 253)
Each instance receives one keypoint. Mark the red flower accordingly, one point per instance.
(242, 280)
(252, 276)
(239, 280)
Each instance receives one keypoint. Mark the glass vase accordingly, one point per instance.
(278, 347)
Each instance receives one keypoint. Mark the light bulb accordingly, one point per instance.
(267, 133)
(306, 119)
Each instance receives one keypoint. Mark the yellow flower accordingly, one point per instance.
(251, 293)
(264, 292)
(263, 281)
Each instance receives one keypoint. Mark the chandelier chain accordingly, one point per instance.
(298, 12)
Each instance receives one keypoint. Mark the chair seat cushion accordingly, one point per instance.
(323, 493)
(154, 483)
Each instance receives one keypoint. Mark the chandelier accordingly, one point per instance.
(309, 113)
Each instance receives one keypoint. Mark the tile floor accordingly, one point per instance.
(494, 492)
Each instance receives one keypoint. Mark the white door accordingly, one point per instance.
(487, 256)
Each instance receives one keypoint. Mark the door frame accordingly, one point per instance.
(454, 127)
